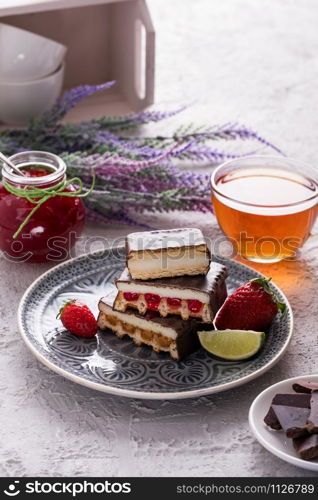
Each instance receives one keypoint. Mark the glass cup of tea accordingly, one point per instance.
(265, 205)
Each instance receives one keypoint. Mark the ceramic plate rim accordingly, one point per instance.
(299, 462)
(142, 394)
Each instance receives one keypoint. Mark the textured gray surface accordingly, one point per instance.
(255, 62)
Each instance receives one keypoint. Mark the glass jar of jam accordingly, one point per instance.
(53, 228)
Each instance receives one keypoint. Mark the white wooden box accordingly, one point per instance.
(106, 40)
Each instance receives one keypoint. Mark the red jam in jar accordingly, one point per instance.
(53, 228)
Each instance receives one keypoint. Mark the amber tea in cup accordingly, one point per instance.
(265, 205)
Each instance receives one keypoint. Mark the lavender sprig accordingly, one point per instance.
(134, 187)
(120, 123)
(68, 101)
(227, 132)
(134, 174)
(102, 135)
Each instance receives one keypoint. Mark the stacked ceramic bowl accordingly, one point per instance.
(31, 74)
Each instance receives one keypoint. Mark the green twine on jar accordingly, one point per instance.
(38, 196)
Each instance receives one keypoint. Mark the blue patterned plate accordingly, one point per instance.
(109, 364)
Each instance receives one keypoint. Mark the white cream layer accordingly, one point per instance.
(165, 263)
(144, 324)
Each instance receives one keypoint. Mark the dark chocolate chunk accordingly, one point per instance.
(293, 420)
(307, 447)
(271, 420)
(295, 400)
(290, 399)
(313, 416)
(303, 386)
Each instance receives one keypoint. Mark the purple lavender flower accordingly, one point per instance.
(135, 119)
(133, 174)
(234, 131)
(70, 99)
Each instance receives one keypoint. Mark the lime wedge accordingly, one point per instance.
(233, 345)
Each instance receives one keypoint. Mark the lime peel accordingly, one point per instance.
(233, 345)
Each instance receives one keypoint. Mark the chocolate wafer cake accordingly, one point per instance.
(187, 296)
(171, 334)
(167, 253)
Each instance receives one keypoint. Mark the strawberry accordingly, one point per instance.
(78, 319)
(252, 306)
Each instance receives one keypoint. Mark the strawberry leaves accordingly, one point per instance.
(264, 282)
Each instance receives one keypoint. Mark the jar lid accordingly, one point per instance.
(27, 159)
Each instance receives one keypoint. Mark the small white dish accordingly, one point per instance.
(19, 102)
(25, 56)
(275, 441)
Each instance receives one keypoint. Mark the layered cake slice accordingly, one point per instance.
(171, 334)
(167, 253)
(188, 296)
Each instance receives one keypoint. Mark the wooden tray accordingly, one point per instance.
(106, 40)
